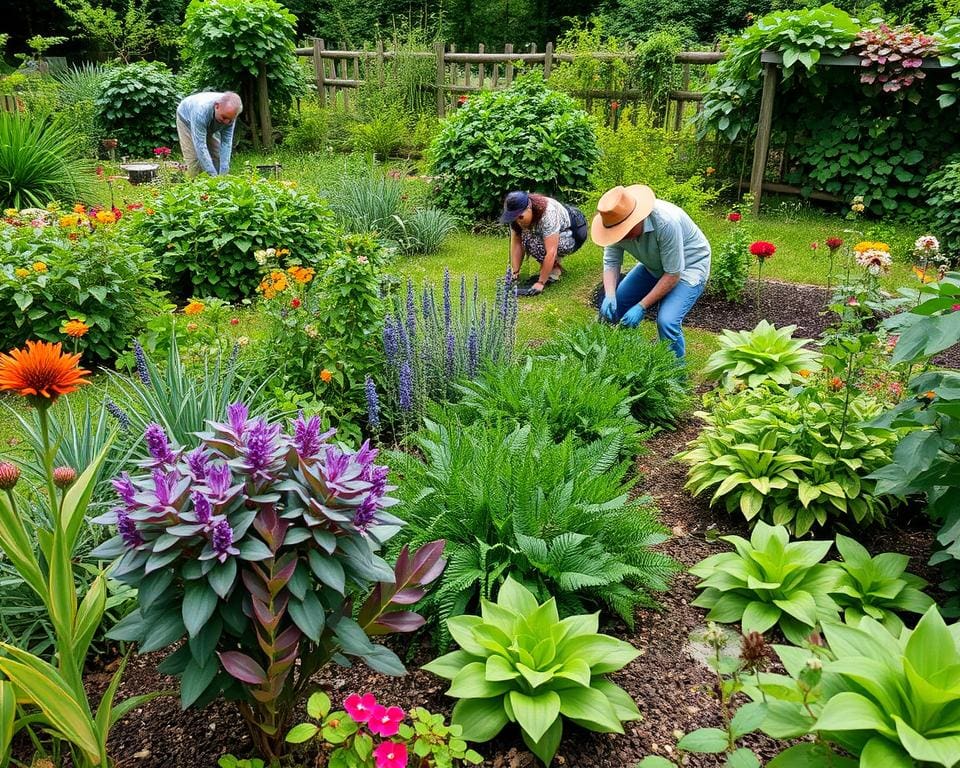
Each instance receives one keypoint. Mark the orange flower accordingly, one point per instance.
(302, 275)
(75, 328)
(836, 383)
(194, 307)
(325, 376)
(804, 372)
(106, 217)
(41, 371)
(80, 208)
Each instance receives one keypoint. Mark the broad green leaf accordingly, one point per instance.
(882, 753)
(742, 758)
(481, 719)
(199, 603)
(546, 747)
(942, 750)
(450, 664)
(515, 597)
(471, 683)
(301, 733)
(590, 709)
(535, 714)
(709, 740)
(848, 711)
(759, 617)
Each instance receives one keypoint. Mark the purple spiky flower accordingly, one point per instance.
(406, 387)
(222, 541)
(119, 414)
(366, 514)
(473, 352)
(451, 354)
(125, 489)
(158, 444)
(202, 509)
(411, 311)
(198, 461)
(219, 483)
(307, 438)
(127, 529)
(262, 449)
(447, 309)
(143, 371)
(373, 403)
(390, 343)
(463, 292)
(237, 416)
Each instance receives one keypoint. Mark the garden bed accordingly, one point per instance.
(672, 688)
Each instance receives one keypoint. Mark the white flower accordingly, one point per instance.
(875, 261)
(261, 257)
(927, 244)
(242, 341)
(362, 260)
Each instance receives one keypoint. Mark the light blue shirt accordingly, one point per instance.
(670, 243)
(197, 112)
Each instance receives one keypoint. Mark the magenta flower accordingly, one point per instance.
(360, 707)
(125, 489)
(385, 721)
(222, 541)
(159, 445)
(390, 755)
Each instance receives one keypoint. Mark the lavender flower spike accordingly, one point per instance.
(365, 516)
(119, 414)
(197, 461)
(307, 438)
(451, 356)
(143, 371)
(222, 541)
(446, 300)
(406, 387)
(391, 345)
(473, 352)
(237, 414)
(373, 403)
(127, 529)
(202, 508)
(411, 310)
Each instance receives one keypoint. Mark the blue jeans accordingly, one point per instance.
(673, 307)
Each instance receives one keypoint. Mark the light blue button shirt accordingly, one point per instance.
(197, 112)
(670, 243)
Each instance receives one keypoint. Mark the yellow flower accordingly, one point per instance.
(39, 266)
(70, 220)
(710, 170)
(804, 372)
(21, 272)
(194, 307)
(10, 211)
(288, 184)
(106, 217)
(868, 245)
(283, 252)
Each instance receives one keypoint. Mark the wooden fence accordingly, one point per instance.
(338, 72)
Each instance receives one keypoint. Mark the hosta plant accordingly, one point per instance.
(794, 458)
(891, 701)
(878, 586)
(764, 354)
(769, 581)
(255, 546)
(520, 663)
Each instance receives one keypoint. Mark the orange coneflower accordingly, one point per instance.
(75, 328)
(42, 372)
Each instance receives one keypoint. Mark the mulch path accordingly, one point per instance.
(673, 690)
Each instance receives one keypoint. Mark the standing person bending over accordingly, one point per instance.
(205, 123)
(544, 229)
(673, 256)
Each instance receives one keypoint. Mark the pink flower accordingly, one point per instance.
(390, 755)
(814, 245)
(385, 721)
(896, 388)
(955, 307)
(360, 707)
(852, 302)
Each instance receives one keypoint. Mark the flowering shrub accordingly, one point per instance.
(323, 328)
(427, 348)
(891, 57)
(204, 233)
(730, 263)
(67, 270)
(127, 106)
(254, 545)
(350, 734)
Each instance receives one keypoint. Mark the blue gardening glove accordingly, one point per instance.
(608, 309)
(632, 317)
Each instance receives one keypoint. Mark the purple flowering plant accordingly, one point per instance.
(427, 349)
(260, 547)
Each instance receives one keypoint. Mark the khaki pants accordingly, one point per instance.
(190, 152)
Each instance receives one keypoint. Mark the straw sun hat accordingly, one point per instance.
(620, 210)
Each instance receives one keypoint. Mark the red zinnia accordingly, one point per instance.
(814, 245)
(833, 243)
(295, 303)
(41, 372)
(762, 249)
(734, 216)
(234, 321)
(614, 105)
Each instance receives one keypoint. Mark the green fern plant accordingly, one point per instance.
(764, 354)
(560, 394)
(659, 389)
(556, 515)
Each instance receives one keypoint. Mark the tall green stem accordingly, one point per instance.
(48, 458)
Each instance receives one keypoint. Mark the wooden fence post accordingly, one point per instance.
(480, 69)
(548, 61)
(762, 145)
(380, 61)
(508, 48)
(320, 70)
(438, 49)
(263, 98)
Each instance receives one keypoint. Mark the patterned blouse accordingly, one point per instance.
(555, 221)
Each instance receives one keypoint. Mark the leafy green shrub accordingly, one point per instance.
(425, 230)
(942, 192)
(658, 388)
(369, 203)
(769, 581)
(764, 354)
(637, 150)
(525, 137)
(562, 395)
(40, 162)
(97, 274)
(730, 264)
(77, 102)
(136, 105)
(557, 516)
(308, 130)
(877, 586)
(383, 134)
(793, 458)
(519, 662)
(888, 700)
(301, 555)
(227, 41)
(204, 233)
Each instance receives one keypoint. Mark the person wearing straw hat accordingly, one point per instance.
(673, 256)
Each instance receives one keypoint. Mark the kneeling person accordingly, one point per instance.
(673, 256)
